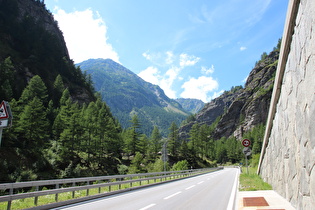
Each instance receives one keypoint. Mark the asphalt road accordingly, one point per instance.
(210, 191)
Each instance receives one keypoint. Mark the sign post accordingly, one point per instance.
(247, 151)
(5, 117)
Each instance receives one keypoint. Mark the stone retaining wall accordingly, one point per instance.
(288, 156)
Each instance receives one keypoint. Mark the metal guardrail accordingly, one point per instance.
(11, 191)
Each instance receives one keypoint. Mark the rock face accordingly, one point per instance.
(288, 160)
(240, 109)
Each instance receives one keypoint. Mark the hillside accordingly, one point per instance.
(191, 105)
(32, 44)
(127, 94)
(239, 110)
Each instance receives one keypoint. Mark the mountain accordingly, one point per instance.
(127, 94)
(31, 43)
(240, 109)
(191, 105)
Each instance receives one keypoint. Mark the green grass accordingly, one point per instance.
(252, 181)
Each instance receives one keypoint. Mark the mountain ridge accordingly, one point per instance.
(127, 94)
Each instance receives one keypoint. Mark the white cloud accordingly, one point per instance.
(187, 60)
(150, 74)
(217, 94)
(85, 33)
(206, 70)
(171, 66)
(147, 56)
(199, 88)
(167, 81)
(170, 57)
(243, 48)
(245, 79)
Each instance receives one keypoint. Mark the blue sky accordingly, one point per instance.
(190, 48)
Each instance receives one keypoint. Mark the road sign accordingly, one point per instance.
(3, 111)
(246, 142)
(4, 123)
(247, 151)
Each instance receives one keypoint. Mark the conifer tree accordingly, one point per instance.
(6, 79)
(33, 125)
(58, 90)
(173, 140)
(132, 141)
(35, 88)
(155, 142)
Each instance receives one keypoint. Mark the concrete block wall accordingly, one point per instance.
(288, 156)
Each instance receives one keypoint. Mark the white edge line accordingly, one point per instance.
(232, 197)
(148, 206)
(172, 195)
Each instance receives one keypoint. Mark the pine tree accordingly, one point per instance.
(155, 142)
(58, 90)
(33, 125)
(194, 143)
(133, 137)
(35, 88)
(6, 79)
(173, 139)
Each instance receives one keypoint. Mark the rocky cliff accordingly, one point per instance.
(240, 109)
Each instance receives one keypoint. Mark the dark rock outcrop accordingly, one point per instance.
(240, 109)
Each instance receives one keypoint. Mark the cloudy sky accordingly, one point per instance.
(190, 48)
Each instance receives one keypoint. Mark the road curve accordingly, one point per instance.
(214, 190)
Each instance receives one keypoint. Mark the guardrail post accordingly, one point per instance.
(10, 202)
(36, 198)
(87, 190)
(73, 192)
(56, 196)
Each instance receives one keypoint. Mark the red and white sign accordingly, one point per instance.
(246, 142)
(3, 111)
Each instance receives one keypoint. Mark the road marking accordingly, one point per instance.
(233, 193)
(148, 206)
(172, 195)
(190, 187)
(200, 182)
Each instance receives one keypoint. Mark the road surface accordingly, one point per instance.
(214, 190)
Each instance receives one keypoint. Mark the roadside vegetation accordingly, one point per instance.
(251, 181)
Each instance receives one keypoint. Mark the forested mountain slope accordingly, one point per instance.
(127, 94)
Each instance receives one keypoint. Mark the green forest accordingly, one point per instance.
(59, 138)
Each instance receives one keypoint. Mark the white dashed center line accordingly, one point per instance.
(148, 206)
(200, 182)
(172, 195)
(190, 187)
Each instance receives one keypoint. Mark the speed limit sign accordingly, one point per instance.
(246, 142)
